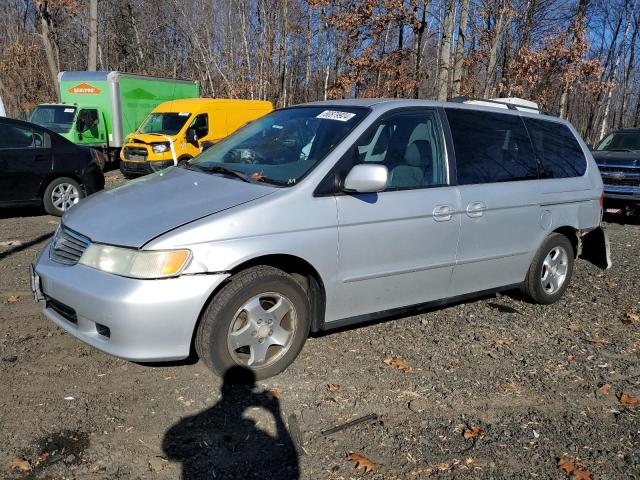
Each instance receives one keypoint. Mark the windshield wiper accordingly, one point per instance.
(219, 169)
(619, 150)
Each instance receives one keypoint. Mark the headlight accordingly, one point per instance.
(128, 262)
(159, 147)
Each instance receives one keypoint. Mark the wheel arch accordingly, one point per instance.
(52, 176)
(573, 234)
(303, 272)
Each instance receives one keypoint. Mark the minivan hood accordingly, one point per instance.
(628, 159)
(141, 210)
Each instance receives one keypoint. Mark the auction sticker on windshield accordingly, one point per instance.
(336, 115)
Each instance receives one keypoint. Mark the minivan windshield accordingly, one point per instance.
(58, 118)
(167, 123)
(282, 147)
(620, 142)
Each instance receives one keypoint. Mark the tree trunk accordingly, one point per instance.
(92, 58)
(445, 50)
(459, 55)
(493, 53)
(49, 46)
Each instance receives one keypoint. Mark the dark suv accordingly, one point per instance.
(39, 167)
(618, 158)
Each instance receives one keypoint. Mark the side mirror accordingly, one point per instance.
(192, 135)
(366, 178)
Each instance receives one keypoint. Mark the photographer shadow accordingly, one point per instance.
(220, 443)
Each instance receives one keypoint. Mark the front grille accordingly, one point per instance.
(63, 310)
(135, 153)
(68, 246)
(623, 176)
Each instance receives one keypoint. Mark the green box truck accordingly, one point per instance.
(99, 109)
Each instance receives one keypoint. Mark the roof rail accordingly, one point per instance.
(506, 103)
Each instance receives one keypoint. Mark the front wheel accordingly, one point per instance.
(61, 194)
(550, 271)
(259, 320)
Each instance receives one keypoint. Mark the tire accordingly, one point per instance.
(61, 194)
(240, 323)
(550, 271)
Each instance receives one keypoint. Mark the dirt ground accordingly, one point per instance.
(498, 388)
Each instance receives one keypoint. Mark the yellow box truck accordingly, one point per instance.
(180, 129)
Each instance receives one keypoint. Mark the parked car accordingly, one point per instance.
(320, 216)
(179, 130)
(618, 158)
(39, 167)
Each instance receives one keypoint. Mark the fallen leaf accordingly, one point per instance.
(129, 429)
(42, 457)
(630, 317)
(595, 286)
(275, 393)
(569, 358)
(333, 387)
(362, 462)
(20, 464)
(473, 432)
(399, 363)
(503, 341)
(12, 299)
(629, 399)
(597, 341)
(604, 389)
(612, 284)
(443, 467)
(583, 475)
(574, 327)
(567, 466)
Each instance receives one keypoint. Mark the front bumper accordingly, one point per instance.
(143, 168)
(139, 320)
(628, 194)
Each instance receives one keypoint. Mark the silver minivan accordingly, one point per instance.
(320, 216)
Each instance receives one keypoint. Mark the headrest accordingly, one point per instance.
(418, 154)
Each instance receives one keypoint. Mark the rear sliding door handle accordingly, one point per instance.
(476, 209)
(442, 213)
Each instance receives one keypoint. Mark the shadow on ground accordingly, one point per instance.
(221, 443)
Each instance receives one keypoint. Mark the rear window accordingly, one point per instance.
(491, 147)
(557, 149)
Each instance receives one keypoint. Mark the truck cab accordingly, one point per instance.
(179, 130)
(83, 125)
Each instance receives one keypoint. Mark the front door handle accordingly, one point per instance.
(476, 209)
(442, 213)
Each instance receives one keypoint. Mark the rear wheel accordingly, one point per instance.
(61, 194)
(551, 270)
(259, 320)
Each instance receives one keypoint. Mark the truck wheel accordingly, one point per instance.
(550, 271)
(61, 194)
(259, 320)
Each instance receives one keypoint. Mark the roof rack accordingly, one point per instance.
(517, 104)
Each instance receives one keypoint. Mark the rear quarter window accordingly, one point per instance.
(491, 147)
(557, 149)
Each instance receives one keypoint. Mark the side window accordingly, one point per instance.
(491, 147)
(410, 145)
(201, 125)
(13, 136)
(557, 149)
(87, 119)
